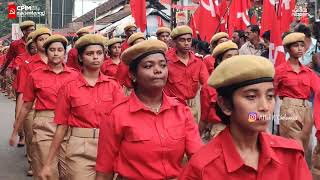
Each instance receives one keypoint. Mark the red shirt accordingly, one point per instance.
(43, 85)
(72, 60)
(109, 68)
(299, 86)
(124, 46)
(123, 76)
(84, 106)
(208, 100)
(33, 63)
(209, 62)
(19, 61)
(279, 159)
(184, 81)
(16, 47)
(140, 144)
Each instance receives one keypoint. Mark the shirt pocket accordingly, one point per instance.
(105, 103)
(46, 88)
(135, 135)
(175, 78)
(291, 82)
(80, 105)
(177, 132)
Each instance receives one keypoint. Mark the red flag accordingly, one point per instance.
(268, 13)
(206, 19)
(238, 17)
(193, 26)
(285, 11)
(138, 11)
(276, 49)
(223, 15)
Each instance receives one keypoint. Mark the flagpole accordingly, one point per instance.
(227, 10)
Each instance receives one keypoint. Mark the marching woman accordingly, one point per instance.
(243, 149)
(146, 135)
(42, 87)
(110, 65)
(294, 84)
(210, 124)
(81, 106)
(123, 69)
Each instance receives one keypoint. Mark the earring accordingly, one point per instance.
(134, 80)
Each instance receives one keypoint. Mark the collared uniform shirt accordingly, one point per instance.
(109, 68)
(279, 159)
(124, 46)
(123, 76)
(84, 106)
(16, 48)
(140, 144)
(72, 60)
(184, 80)
(300, 85)
(249, 49)
(19, 61)
(43, 85)
(208, 101)
(33, 63)
(209, 62)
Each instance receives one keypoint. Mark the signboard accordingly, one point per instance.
(16, 32)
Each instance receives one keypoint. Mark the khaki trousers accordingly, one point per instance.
(194, 104)
(81, 155)
(27, 128)
(43, 131)
(294, 114)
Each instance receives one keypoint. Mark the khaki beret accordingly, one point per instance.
(26, 24)
(180, 30)
(223, 47)
(218, 36)
(90, 39)
(83, 30)
(128, 26)
(55, 38)
(139, 50)
(39, 32)
(163, 30)
(293, 37)
(29, 42)
(134, 37)
(239, 69)
(113, 41)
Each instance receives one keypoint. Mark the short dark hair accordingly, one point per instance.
(266, 35)
(228, 97)
(241, 33)
(82, 49)
(304, 29)
(47, 47)
(254, 28)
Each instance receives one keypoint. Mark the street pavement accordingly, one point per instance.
(13, 163)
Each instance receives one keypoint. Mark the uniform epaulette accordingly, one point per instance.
(118, 103)
(281, 142)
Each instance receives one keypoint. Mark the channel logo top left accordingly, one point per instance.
(12, 10)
